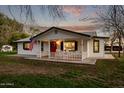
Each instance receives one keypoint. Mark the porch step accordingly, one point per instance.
(57, 60)
(85, 61)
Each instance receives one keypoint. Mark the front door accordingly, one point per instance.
(53, 46)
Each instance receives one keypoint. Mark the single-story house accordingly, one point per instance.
(57, 43)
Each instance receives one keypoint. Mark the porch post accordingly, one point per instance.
(49, 49)
(63, 56)
(82, 50)
(40, 48)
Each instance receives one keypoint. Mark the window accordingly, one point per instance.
(96, 46)
(70, 45)
(26, 46)
(56, 32)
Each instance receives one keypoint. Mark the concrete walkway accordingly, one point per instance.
(91, 61)
(108, 56)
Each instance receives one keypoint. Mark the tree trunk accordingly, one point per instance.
(119, 52)
(111, 47)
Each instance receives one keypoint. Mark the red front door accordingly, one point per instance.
(53, 46)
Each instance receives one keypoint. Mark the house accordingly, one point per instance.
(57, 43)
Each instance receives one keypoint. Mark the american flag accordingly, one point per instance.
(31, 44)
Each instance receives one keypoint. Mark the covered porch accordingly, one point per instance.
(74, 49)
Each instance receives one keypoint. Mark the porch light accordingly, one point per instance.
(58, 42)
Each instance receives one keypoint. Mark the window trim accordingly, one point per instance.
(73, 41)
(24, 45)
(94, 46)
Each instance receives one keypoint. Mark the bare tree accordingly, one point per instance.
(113, 21)
(53, 11)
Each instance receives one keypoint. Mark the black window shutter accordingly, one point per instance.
(76, 45)
(42, 49)
(62, 45)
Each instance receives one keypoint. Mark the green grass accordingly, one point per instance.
(7, 53)
(25, 73)
(43, 81)
(72, 74)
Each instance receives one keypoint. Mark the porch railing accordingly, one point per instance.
(65, 55)
(44, 54)
(68, 55)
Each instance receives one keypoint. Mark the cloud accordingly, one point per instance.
(74, 10)
(88, 28)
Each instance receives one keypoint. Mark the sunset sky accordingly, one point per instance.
(72, 14)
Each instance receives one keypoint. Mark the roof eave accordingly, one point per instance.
(100, 37)
(59, 29)
(20, 41)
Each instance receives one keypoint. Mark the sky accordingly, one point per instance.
(72, 16)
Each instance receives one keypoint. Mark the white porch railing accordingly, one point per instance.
(65, 55)
(44, 54)
(76, 55)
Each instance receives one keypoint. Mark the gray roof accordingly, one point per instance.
(90, 33)
(24, 40)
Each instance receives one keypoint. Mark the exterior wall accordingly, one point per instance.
(34, 51)
(90, 48)
(45, 46)
(84, 48)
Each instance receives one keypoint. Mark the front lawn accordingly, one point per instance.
(19, 72)
(7, 53)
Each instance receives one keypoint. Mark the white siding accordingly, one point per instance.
(90, 48)
(34, 51)
(45, 46)
(79, 44)
(84, 48)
